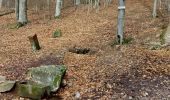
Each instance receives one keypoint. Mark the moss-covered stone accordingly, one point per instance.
(57, 33)
(33, 90)
(50, 75)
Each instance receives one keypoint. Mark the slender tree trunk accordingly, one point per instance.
(121, 16)
(97, 2)
(107, 2)
(23, 11)
(48, 4)
(77, 2)
(17, 9)
(169, 6)
(58, 8)
(154, 14)
(0, 3)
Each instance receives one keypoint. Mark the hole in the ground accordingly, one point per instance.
(79, 50)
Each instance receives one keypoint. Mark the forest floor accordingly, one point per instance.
(137, 70)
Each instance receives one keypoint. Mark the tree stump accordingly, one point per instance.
(34, 42)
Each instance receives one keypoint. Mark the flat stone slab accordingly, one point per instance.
(6, 86)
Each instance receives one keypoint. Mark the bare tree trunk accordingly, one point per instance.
(121, 16)
(169, 6)
(58, 8)
(96, 5)
(17, 9)
(23, 11)
(48, 4)
(154, 14)
(77, 2)
(0, 3)
(107, 2)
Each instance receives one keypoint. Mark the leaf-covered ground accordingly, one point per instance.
(140, 70)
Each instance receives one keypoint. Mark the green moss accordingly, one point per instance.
(57, 17)
(162, 37)
(125, 41)
(33, 90)
(156, 47)
(57, 33)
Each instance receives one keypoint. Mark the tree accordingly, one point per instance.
(96, 5)
(77, 2)
(0, 3)
(154, 14)
(17, 9)
(58, 8)
(21, 11)
(121, 15)
(168, 6)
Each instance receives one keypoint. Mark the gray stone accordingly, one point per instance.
(6, 86)
(77, 95)
(50, 75)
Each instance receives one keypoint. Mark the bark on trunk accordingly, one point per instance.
(17, 9)
(58, 8)
(77, 2)
(121, 15)
(154, 14)
(22, 11)
(34, 42)
(0, 3)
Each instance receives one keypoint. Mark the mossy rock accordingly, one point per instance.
(50, 75)
(57, 33)
(33, 90)
(6, 86)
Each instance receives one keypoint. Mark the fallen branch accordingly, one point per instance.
(6, 13)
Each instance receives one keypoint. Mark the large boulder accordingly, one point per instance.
(50, 75)
(42, 80)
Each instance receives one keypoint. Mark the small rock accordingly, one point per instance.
(130, 97)
(144, 76)
(64, 83)
(108, 85)
(168, 96)
(77, 95)
(144, 94)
